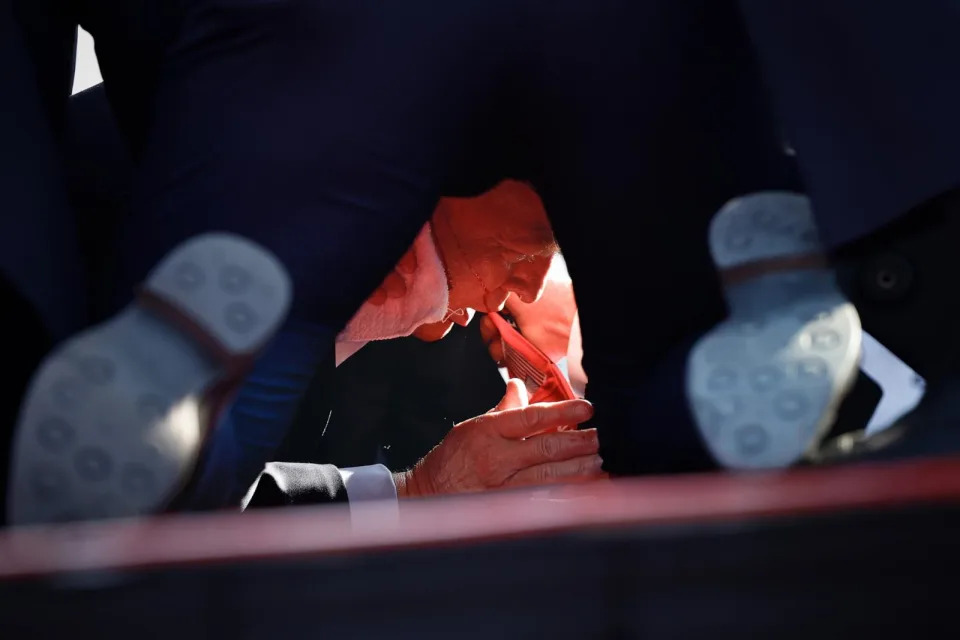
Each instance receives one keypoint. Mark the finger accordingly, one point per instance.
(378, 297)
(553, 447)
(579, 469)
(491, 337)
(514, 397)
(495, 349)
(394, 285)
(488, 330)
(408, 263)
(528, 421)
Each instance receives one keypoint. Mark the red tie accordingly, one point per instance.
(543, 379)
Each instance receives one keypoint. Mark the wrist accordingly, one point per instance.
(409, 485)
(402, 481)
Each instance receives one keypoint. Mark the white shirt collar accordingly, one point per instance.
(426, 301)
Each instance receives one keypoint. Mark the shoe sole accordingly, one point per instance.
(114, 419)
(765, 385)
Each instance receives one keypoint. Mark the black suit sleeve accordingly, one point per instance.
(296, 483)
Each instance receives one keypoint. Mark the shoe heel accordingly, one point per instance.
(114, 418)
(765, 384)
(224, 290)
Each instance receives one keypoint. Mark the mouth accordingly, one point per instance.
(494, 302)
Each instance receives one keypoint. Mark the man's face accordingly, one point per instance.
(494, 245)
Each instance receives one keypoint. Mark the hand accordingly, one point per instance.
(395, 285)
(502, 449)
(546, 323)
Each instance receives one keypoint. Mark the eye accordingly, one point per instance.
(514, 257)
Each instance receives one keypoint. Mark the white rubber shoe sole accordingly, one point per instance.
(765, 384)
(114, 418)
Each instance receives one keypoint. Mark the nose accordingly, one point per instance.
(527, 278)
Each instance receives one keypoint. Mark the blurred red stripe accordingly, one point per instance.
(286, 533)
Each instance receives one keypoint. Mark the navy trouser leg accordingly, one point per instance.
(41, 283)
(39, 253)
(648, 136)
(325, 131)
(867, 94)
